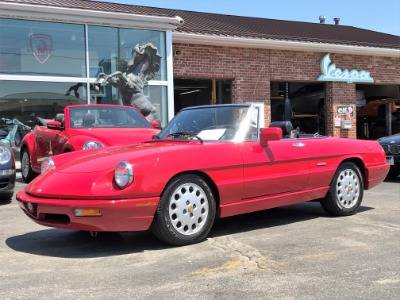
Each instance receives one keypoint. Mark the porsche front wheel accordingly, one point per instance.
(26, 169)
(346, 191)
(186, 211)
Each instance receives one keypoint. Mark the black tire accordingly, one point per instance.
(338, 195)
(163, 227)
(6, 197)
(27, 174)
(394, 172)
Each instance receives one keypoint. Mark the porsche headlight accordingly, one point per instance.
(123, 175)
(92, 145)
(5, 155)
(47, 164)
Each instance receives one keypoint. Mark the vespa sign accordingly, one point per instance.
(329, 72)
(41, 46)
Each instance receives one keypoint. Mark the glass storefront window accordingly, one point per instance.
(27, 100)
(106, 95)
(103, 50)
(129, 38)
(158, 96)
(42, 48)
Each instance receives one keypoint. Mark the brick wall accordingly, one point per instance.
(340, 94)
(251, 71)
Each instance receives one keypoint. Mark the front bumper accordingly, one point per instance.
(7, 181)
(116, 215)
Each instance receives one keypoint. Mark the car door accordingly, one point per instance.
(324, 160)
(280, 167)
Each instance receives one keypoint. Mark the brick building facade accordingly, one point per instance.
(251, 71)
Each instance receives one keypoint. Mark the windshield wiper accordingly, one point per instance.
(185, 133)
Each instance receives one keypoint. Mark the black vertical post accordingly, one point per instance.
(288, 106)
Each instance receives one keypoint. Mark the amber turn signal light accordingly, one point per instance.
(87, 212)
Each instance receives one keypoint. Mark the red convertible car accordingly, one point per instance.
(210, 161)
(83, 127)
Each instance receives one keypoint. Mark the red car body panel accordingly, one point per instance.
(246, 177)
(43, 142)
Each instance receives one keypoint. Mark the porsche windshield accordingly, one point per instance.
(216, 123)
(106, 117)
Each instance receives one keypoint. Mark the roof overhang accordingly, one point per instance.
(230, 41)
(86, 16)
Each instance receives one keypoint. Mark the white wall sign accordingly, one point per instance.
(329, 72)
(344, 110)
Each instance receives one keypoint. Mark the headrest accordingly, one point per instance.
(286, 126)
(88, 120)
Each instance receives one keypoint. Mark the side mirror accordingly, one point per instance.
(155, 124)
(52, 124)
(270, 134)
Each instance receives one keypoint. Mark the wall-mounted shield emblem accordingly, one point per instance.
(41, 46)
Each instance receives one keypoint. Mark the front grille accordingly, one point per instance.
(394, 149)
(55, 218)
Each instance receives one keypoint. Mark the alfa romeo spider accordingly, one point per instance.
(83, 127)
(209, 162)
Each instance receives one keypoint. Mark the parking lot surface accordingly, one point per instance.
(291, 252)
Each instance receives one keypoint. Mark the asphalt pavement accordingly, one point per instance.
(295, 252)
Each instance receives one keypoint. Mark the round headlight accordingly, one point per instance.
(92, 145)
(46, 165)
(5, 155)
(123, 175)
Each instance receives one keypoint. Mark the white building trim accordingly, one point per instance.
(231, 41)
(42, 78)
(170, 75)
(87, 16)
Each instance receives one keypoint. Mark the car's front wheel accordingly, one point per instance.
(346, 191)
(186, 211)
(26, 169)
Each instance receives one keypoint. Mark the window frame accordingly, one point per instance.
(168, 83)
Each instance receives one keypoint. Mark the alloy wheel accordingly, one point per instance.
(348, 188)
(25, 164)
(188, 208)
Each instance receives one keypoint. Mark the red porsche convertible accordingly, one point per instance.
(210, 161)
(83, 127)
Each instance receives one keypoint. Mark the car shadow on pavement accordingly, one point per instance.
(78, 244)
(280, 216)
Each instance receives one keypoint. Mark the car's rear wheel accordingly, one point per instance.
(346, 191)
(26, 169)
(186, 211)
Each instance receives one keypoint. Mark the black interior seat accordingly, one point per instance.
(286, 127)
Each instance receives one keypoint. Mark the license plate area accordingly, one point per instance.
(390, 160)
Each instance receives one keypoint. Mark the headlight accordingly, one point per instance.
(123, 175)
(46, 165)
(92, 145)
(5, 155)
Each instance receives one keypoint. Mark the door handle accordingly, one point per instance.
(298, 144)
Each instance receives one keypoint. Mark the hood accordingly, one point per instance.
(89, 161)
(115, 136)
(392, 139)
(89, 174)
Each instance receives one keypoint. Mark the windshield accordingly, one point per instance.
(217, 123)
(106, 117)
